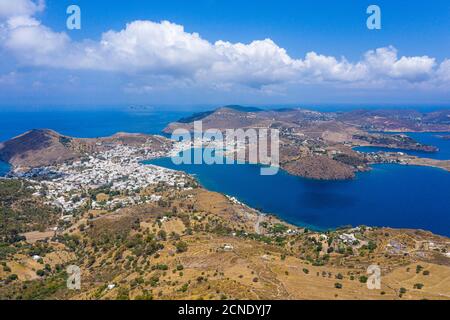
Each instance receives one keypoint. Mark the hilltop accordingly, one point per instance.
(202, 115)
(395, 120)
(37, 147)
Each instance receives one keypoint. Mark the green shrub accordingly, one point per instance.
(12, 277)
(363, 279)
(40, 273)
(181, 246)
(418, 286)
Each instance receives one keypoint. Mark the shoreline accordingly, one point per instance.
(304, 224)
(297, 224)
(300, 224)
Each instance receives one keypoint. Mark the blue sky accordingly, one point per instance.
(220, 52)
(330, 27)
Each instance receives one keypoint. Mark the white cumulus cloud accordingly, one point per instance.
(385, 62)
(166, 49)
(14, 8)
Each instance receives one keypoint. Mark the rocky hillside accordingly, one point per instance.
(37, 148)
(201, 245)
(21, 212)
(230, 117)
(235, 117)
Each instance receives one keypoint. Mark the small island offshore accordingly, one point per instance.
(140, 231)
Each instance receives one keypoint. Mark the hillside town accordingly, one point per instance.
(119, 170)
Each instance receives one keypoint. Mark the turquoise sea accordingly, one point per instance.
(390, 195)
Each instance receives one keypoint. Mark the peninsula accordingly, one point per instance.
(320, 145)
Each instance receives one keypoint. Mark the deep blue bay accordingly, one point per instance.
(389, 195)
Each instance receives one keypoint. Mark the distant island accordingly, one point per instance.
(445, 137)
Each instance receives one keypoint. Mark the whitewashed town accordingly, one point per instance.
(119, 169)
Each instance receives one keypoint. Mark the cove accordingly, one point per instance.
(388, 196)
